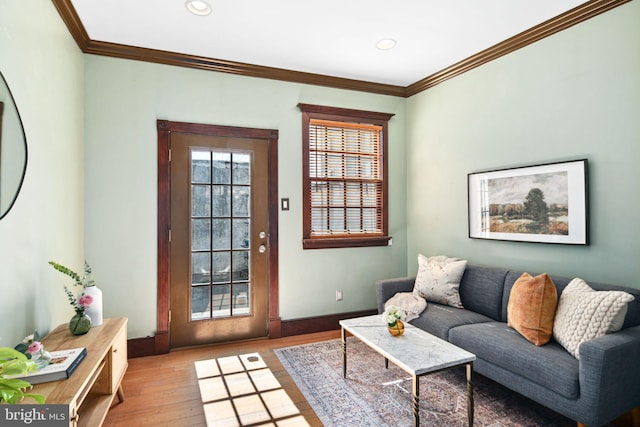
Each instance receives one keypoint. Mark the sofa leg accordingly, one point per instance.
(630, 419)
(634, 415)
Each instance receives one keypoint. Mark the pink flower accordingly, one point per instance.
(34, 347)
(85, 300)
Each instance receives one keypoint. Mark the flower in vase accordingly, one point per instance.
(79, 305)
(30, 345)
(392, 314)
(85, 301)
(34, 348)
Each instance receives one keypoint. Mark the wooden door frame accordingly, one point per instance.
(165, 127)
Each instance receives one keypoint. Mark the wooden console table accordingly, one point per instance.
(90, 390)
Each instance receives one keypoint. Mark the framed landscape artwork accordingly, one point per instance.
(544, 203)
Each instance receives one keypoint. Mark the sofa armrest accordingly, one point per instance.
(386, 288)
(610, 374)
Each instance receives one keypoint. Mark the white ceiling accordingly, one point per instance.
(333, 37)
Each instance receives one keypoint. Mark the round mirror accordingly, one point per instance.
(13, 149)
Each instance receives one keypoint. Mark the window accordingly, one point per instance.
(345, 177)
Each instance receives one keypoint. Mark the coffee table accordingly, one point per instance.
(416, 352)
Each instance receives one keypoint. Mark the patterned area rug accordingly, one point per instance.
(374, 396)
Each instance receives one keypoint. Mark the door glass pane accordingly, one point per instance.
(241, 201)
(200, 268)
(241, 298)
(221, 300)
(241, 168)
(200, 299)
(221, 267)
(221, 168)
(240, 266)
(221, 201)
(240, 233)
(201, 167)
(201, 200)
(221, 233)
(200, 234)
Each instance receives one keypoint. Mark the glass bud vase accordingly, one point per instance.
(80, 324)
(42, 358)
(397, 329)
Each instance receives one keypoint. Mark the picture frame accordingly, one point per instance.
(546, 203)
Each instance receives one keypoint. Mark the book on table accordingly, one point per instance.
(62, 365)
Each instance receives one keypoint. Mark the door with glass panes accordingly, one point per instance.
(219, 238)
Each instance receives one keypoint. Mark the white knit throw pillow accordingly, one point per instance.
(584, 314)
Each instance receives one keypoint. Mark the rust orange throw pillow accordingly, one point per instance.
(532, 307)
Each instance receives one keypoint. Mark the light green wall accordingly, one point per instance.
(44, 69)
(123, 101)
(573, 95)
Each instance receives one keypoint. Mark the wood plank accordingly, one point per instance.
(163, 389)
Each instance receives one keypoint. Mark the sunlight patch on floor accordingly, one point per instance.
(241, 390)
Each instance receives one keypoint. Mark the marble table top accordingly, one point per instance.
(416, 351)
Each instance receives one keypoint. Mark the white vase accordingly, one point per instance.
(94, 311)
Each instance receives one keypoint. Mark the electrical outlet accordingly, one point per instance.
(339, 295)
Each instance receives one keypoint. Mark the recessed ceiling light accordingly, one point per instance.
(386, 44)
(198, 7)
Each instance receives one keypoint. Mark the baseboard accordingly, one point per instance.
(140, 347)
(149, 346)
(329, 322)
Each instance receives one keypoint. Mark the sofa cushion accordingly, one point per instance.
(439, 278)
(585, 314)
(514, 275)
(481, 289)
(532, 307)
(633, 312)
(549, 366)
(438, 319)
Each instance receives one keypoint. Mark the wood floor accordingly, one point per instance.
(163, 390)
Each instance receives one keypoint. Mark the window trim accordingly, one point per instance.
(350, 116)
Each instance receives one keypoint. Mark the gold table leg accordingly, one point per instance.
(415, 397)
(470, 393)
(344, 352)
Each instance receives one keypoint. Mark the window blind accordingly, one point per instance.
(345, 178)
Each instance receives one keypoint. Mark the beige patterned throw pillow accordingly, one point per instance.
(584, 314)
(438, 279)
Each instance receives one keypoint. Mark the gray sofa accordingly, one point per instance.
(599, 387)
